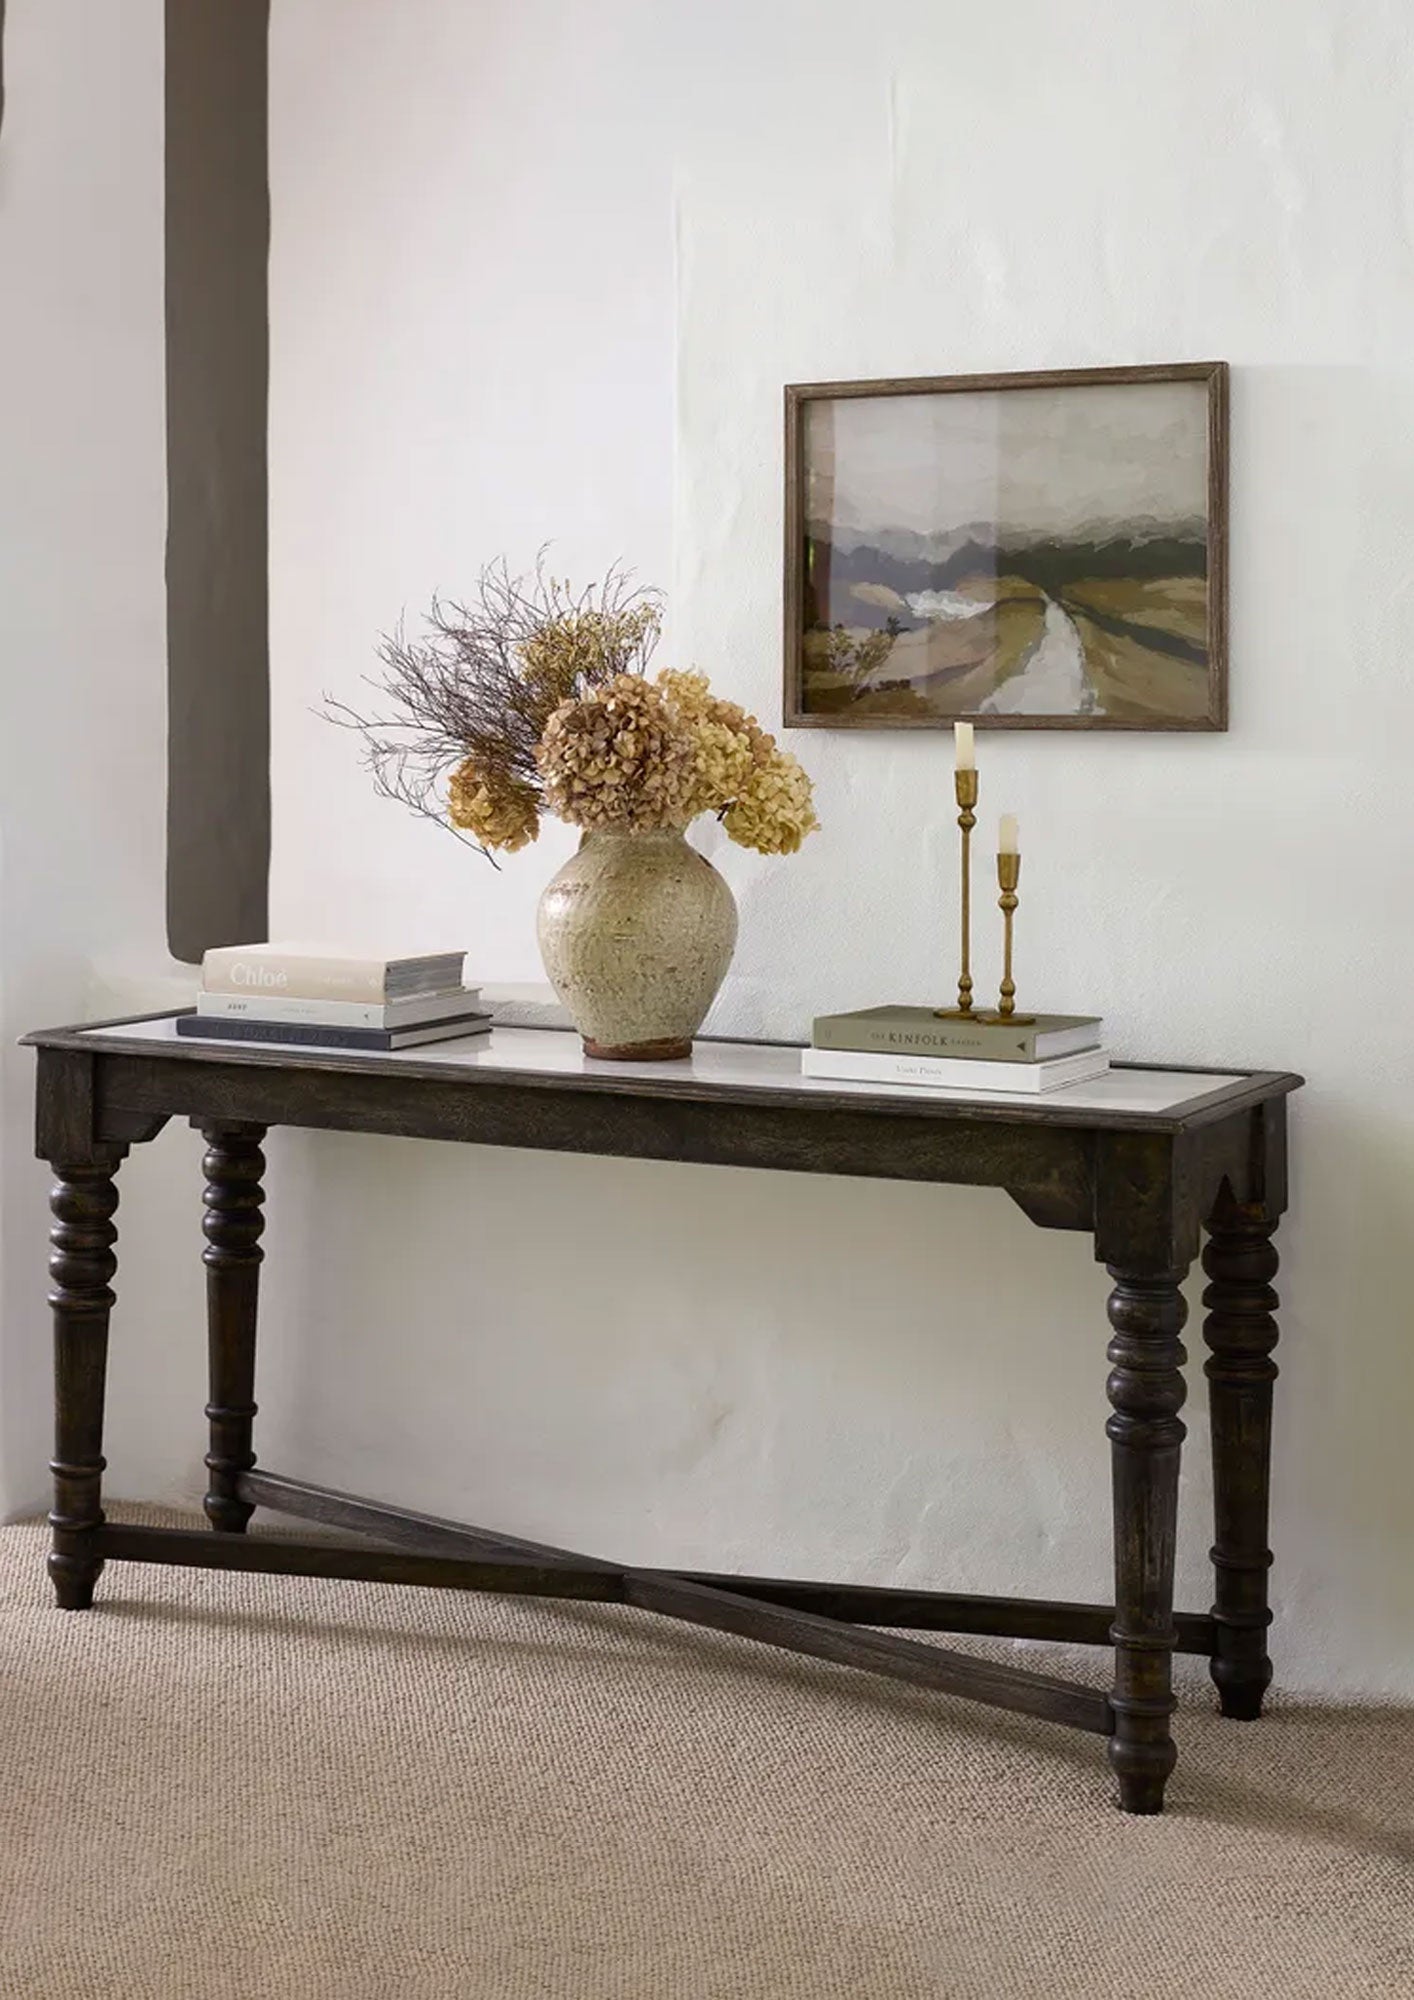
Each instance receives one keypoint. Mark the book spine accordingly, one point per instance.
(335, 1013)
(304, 1034)
(1030, 1080)
(227, 970)
(850, 1066)
(946, 1039)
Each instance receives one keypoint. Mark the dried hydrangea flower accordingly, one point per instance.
(727, 742)
(501, 813)
(617, 757)
(761, 792)
(775, 811)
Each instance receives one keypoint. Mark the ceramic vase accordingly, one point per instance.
(637, 931)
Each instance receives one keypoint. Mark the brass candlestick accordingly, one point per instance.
(1008, 876)
(965, 785)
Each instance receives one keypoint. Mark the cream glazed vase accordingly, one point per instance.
(637, 931)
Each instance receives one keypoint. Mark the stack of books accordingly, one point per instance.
(915, 1045)
(333, 1000)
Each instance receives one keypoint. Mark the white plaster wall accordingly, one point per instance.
(83, 672)
(539, 270)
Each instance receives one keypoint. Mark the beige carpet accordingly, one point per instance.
(229, 1788)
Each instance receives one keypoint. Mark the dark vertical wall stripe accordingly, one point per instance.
(218, 669)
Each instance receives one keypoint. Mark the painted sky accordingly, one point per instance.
(1050, 460)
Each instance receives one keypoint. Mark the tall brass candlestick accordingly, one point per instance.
(965, 786)
(1008, 876)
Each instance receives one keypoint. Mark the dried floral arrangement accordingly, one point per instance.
(533, 697)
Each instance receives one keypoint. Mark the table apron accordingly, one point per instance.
(1052, 1166)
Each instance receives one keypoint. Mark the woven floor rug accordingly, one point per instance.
(228, 1788)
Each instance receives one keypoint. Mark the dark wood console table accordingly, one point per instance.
(1141, 1160)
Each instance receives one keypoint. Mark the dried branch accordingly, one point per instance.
(479, 687)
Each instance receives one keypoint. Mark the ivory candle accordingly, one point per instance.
(966, 755)
(1009, 839)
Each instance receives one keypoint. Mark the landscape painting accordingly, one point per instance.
(1029, 551)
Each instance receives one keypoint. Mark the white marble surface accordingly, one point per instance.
(734, 1065)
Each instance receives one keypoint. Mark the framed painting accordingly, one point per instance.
(1027, 551)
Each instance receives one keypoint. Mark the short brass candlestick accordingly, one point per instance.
(965, 785)
(1008, 876)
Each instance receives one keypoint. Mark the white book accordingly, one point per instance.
(409, 1013)
(956, 1073)
(315, 972)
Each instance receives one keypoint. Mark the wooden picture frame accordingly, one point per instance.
(1086, 525)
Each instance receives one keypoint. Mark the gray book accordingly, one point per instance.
(918, 1031)
(316, 1035)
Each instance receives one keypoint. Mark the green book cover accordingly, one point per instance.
(918, 1031)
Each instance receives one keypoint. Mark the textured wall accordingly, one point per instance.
(540, 270)
(82, 604)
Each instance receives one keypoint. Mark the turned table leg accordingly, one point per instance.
(1241, 1261)
(81, 1264)
(233, 1223)
(1146, 1392)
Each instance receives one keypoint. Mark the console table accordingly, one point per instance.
(1141, 1160)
